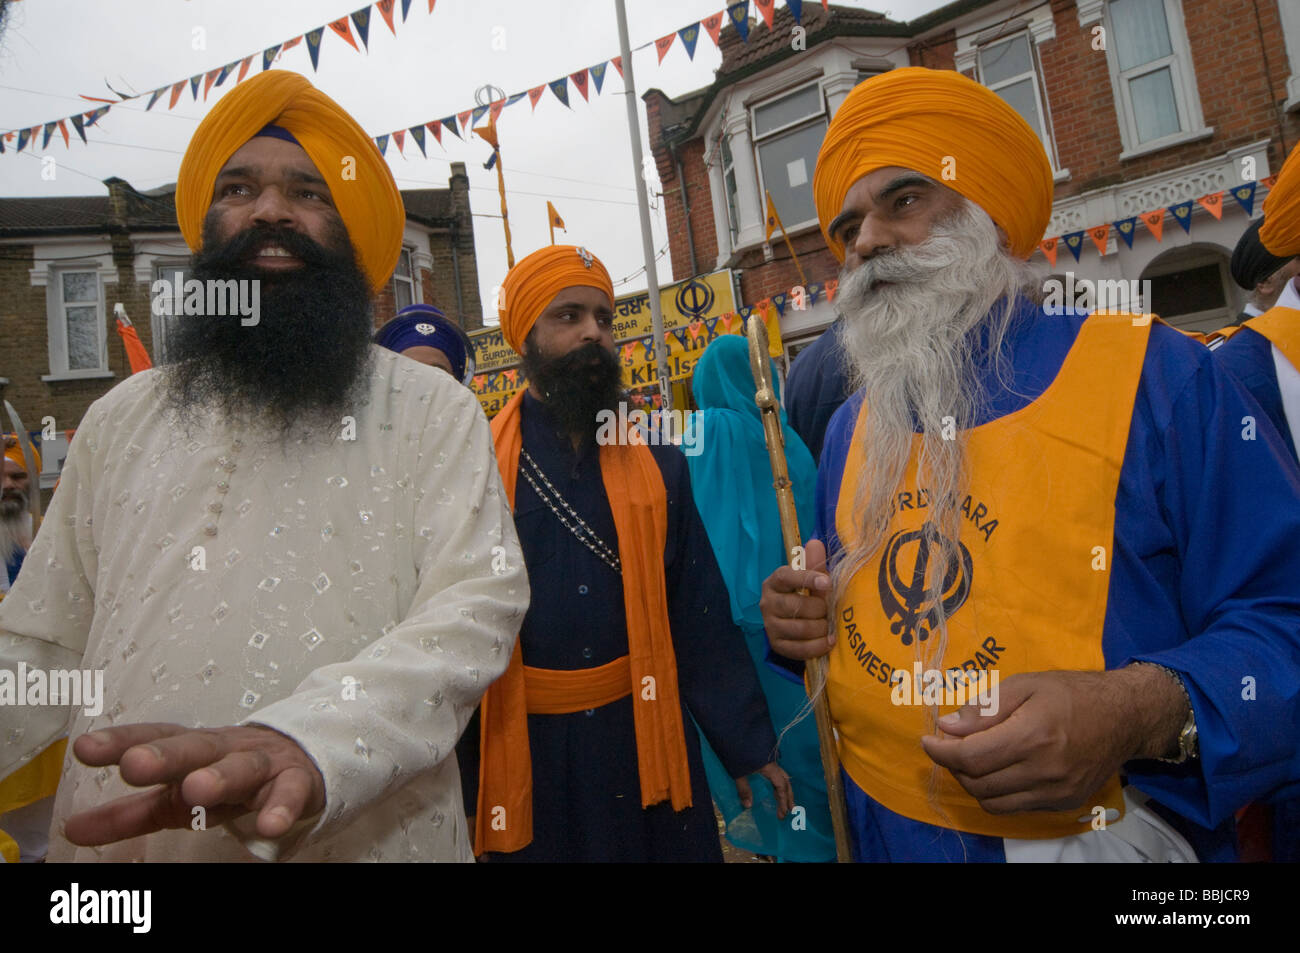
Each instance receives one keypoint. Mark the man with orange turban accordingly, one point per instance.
(1043, 615)
(16, 528)
(287, 550)
(586, 751)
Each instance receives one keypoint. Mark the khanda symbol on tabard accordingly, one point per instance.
(918, 613)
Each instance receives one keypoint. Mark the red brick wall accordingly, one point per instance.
(935, 53)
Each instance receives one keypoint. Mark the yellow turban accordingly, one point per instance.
(14, 452)
(947, 127)
(1280, 233)
(367, 199)
(535, 281)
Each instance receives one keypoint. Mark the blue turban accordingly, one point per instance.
(423, 325)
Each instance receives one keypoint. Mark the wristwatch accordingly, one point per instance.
(1187, 737)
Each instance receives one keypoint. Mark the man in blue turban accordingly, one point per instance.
(423, 333)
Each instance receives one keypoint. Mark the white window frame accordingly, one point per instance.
(411, 278)
(727, 160)
(58, 326)
(157, 321)
(1187, 99)
(1035, 75)
(756, 140)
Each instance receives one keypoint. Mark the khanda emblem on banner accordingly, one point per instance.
(903, 590)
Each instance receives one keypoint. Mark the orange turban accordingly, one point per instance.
(535, 281)
(363, 189)
(1280, 233)
(947, 127)
(14, 452)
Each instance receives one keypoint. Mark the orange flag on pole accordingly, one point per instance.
(553, 218)
(136, 355)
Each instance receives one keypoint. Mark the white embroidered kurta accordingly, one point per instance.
(358, 596)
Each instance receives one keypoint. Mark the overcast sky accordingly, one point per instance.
(580, 158)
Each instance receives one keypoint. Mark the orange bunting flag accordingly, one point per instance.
(1048, 247)
(464, 118)
(662, 44)
(209, 79)
(713, 26)
(1212, 203)
(1155, 221)
(627, 351)
(340, 26)
(618, 64)
(243, 69)
(1268, 183)
(399, 137)
(176, 93)
(63, 128)
(831, 287)
(431, 3)
(435, 127)
(290, 44)
(494, 110)
(386, 11)
(768, 9)
(579, 80)
(727, 319)
(535, 94)
(1100, 234)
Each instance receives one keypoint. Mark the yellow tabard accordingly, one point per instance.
(1029, 594)
(1282, 328)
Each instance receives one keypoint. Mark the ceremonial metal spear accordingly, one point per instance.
(769, 409)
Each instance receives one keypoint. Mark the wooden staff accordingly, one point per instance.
(765, 397)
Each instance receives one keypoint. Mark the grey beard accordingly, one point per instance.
(15, 534)
(909, 347)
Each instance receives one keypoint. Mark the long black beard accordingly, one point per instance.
(306, 361)
(575, 386)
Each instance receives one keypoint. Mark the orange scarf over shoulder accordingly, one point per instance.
(639, 503)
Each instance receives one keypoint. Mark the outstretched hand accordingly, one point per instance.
(225, 771)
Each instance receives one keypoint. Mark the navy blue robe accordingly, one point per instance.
(586, 787)
(816, 388)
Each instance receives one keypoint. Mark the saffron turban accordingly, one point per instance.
(14, 452)
(1280, 233)
(535, 281)
(949, 128)
(363, 189)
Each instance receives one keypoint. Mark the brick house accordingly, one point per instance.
(1186, 99)
(64, 263)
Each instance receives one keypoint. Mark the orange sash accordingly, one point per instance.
(1281, 326)
(552, 691)
(639, 503)
(1029, 595)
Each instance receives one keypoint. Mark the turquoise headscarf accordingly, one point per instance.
(731, 476)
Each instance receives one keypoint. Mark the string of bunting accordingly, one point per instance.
(1154, 221)
(707, 329)
(357, 26)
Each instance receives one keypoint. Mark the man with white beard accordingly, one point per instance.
(16, 528)
(1030, 505)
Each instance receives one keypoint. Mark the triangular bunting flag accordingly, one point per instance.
(92, 117)
(739, 15)
(710, 324)
(1245, 196)
(243, 69)
(77, 125)
(618, 64)
(382, 143)
(1100, 235)
(814, 292)
(680, 334)
(779, 301)
(194, 86)
(431, 3)
(579, 80)
(341, 27)
(385, 8)
(766, 8)
(1182, 213)
(464, 118)
(1212, 203)
(290, 44)
(515, 98)
(713, 26)
(535, 94)
(63, 128)
(494, 109)
(476, 114)
(560, 87)
(796, 9)
(313, 46)
(1073, 243)
(362, 20)
(268, 56)
(435, 127)
(154, 96)
(1269, 182)
(1126, 227)
(598, 75)
(35, 130)
(830, 288)
(208, 79)
(49, 131)
(1048, 247)
(225, 72)
(450, 123)
(663, 43)
(23, 136)
(690, 36)
(417, 133)
(399, 137)
(406, 6)
(696, 328)
(176, 93)
(1155, 222)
